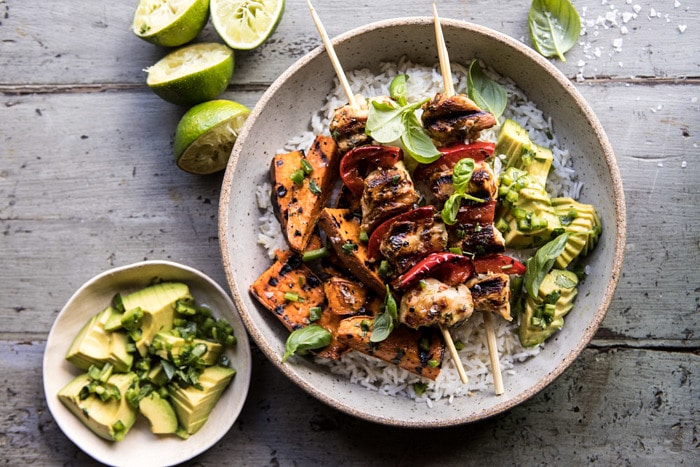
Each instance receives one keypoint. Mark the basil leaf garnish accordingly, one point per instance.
(461, 174)
(539, 265)
(385, 321)
(485, 92)
(304, 339)
(555, 27)
(397, 89)
(416, 141)
(384, 122)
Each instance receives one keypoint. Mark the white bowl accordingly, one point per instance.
(284, 111)
(140, 446)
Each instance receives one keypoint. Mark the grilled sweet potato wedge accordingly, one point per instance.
(309, 197)
(343, 231)
(281, 169)
(418, 351)
(345, 297)
(289, 275)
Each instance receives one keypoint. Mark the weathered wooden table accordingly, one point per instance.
(87, 182)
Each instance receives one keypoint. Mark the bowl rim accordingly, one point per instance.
(242, 346)
(618, 205)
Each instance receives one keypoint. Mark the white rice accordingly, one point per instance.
(386, 378)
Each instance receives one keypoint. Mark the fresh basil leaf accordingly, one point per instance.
(397, 89)
(539, 265)
(555, 27)
(385, 321)
(384, 123)
(451, 209)
(416, 141)
(304, 339)
(461, 174)
(485, 92)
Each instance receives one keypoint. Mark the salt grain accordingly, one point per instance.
(617, 43)
(637, 8)
(681, 27)
(684, 164)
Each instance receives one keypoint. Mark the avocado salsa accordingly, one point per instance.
(155, 352)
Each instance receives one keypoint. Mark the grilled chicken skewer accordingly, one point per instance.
(488, 322)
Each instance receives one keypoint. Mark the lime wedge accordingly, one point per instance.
(245, 24)
(170, 23)
(193, 74)
(205, 135)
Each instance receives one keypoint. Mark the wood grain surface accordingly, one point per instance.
(87, 182)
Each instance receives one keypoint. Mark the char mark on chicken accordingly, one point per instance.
(454, 119)
(407, 242)
(481, 185)
(435, 303)
(491, 293)
(348, 126)
(387, 192)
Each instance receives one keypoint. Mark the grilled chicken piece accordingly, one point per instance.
(407, 242)
(387, 193)
(435, 303)
(348, 126)
(418, 351)
(477, 240)
(482, 184)
(491, 292)
(454, 119)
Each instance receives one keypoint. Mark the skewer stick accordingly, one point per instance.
(334, 58)
(493, 353)
(444, 57)
(488, 321)
(454, 354)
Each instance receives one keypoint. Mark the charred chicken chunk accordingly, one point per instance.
(454, 119)
(407, 242)
(491, 292)
(432, 302)
(387, 192)
(348, 126)
(482, 183)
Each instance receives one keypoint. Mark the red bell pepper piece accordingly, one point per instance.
(380, 232)
(478, 151)
(481, 214)
(446, 267)
(498, 263)
(355, 163)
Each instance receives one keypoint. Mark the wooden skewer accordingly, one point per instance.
(454, 354)
(443, 56)
(488, 321)
(493, 353)
(334, 58)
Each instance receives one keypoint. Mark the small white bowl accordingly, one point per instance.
(140, 446)
(284, 111)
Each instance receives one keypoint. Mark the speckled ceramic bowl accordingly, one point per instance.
(140, 446)
(284, 111)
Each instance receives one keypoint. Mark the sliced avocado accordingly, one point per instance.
(514, 142)
(544, 316)
(159, 413)
(193, 405)
(111, 419)
(174, 348)
(114, 320)
(157, 302)
(156, 375)
(94, 345)
(582, 221)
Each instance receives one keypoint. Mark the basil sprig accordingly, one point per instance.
(461, 174)
(485, 92)
(396, 120)
(554, 27)
(385, 321)
(304, 339)
(539, 265)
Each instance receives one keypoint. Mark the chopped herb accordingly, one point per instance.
(315, 313)
(313, 187)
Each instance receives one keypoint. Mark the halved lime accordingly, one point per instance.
(170, 23)
(245, 24)
(193, 74)
(205, 135)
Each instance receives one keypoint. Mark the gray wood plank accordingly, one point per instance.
(43, 42)
(613, 407)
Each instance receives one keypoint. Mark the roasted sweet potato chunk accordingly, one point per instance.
(289, 290)
(418, 351)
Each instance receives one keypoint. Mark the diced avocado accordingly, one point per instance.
(193, 405)
(157, 302)
(178, 350)
(157, 376)
(111, 419)
(527, 218)
(159, 413)
(114, 320)
(94, 345)
(514, 142)
(583, 222)
(544, 316)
